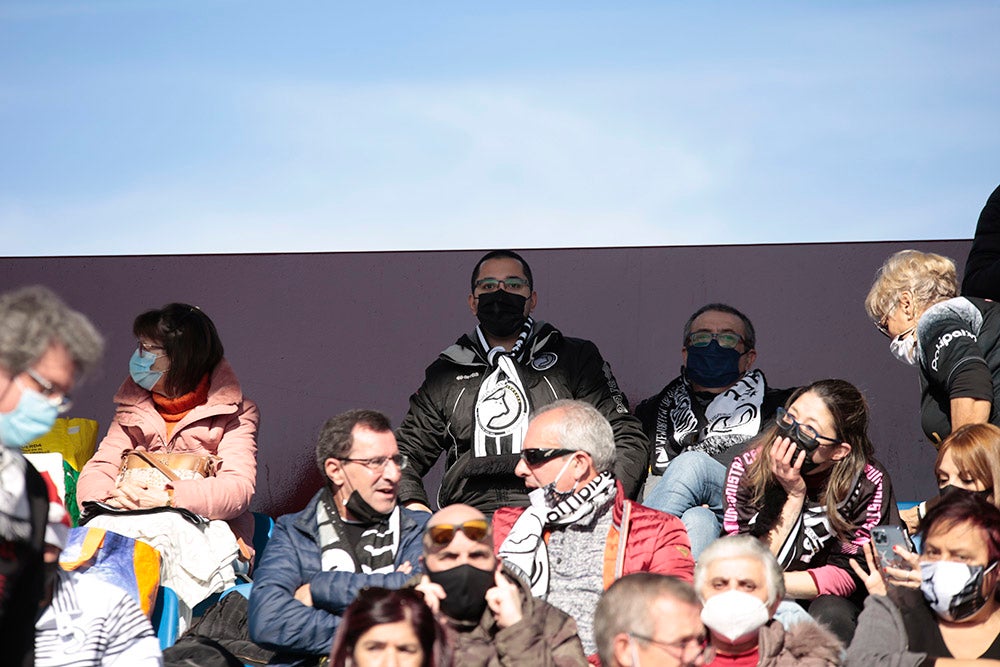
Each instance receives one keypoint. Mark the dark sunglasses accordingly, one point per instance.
(443, 533)
(534, 457)
(803, 434)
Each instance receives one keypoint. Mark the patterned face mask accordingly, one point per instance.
(953, 590)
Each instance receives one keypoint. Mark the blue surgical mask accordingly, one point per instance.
(140, 368)
(712, 366)
(32, 417)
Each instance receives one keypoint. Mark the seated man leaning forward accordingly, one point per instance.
(352, 534)
(701, 419)
(580, 532)
(490, 615)
(648, 619)
(741, 585)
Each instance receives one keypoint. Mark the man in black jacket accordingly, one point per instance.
(477, 396)
(982, 269)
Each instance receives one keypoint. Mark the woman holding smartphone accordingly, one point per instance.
(947, 612)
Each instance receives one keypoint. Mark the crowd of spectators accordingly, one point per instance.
(755, 539)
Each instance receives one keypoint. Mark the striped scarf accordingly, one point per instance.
(375, 552)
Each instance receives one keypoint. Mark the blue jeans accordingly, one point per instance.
(691, 481)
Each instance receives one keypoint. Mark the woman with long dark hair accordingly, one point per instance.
(810, 488)
(389, 627)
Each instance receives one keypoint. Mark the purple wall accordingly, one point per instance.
(312, 335)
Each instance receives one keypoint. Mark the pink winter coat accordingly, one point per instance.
(225, 426)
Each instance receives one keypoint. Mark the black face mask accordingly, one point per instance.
(808, 465)
(501, 313)
(950, 489)
(362, 511)
(465, 588)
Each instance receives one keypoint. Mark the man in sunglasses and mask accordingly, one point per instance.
(352, 534)
(700, 420)
(581, 533)
(489, 613)
(476, 399)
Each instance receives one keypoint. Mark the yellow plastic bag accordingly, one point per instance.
(75, 439)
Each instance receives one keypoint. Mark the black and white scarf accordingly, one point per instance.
(15, 514)
(375, 552)
(524, 550)
(502, 406)
(733, 417)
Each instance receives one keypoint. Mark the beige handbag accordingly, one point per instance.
(156, 469)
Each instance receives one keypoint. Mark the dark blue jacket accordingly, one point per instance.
(280, 622)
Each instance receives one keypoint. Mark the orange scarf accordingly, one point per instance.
(175, 409)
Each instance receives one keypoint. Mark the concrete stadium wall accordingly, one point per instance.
(312, 335)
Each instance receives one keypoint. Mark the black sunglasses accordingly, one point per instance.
(534, 457)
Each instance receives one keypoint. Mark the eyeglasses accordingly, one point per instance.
(155, 350)
(704, 338)
(510, 284)
(378, 463)
(883, 326)
(538, 456)
(55, 396)
(803, 434)
(442, 534)
(679, 648)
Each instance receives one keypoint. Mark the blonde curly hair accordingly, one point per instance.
(928, 277)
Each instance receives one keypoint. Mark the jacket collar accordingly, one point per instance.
(467, 351)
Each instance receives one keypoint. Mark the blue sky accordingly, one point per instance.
(139, 127)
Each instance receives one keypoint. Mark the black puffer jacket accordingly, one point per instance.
(442, 414)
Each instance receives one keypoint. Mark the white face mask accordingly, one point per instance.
(735, 615)
(953, 590)
(904, 347)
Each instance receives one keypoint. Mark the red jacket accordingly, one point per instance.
(654, 541)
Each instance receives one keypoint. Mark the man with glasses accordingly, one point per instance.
(581, 533)
(648, 619)
(699, 421)
(489, 613)
(741, 585)
(352, 534)
(476, 398)
(44, 349)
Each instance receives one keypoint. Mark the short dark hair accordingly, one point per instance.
(335, 440)
(379, 606)
(189, 338)
(958, 508)
(500, 254)
(749, 340)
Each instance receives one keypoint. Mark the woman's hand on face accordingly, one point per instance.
(787, 465)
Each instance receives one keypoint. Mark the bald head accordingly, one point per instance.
(460, 548)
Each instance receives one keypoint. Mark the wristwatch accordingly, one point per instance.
(170, 496)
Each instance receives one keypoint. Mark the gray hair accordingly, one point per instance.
(749, 335)
(584, 429)
(32, 319)
(626, 608)
(742, 546)
(336, 439)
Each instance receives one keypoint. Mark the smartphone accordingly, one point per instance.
(884, 538)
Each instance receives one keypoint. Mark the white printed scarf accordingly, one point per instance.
(733, 417)
(524, 550)
(502, 406)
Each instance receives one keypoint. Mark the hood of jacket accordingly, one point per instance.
(805, 642)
